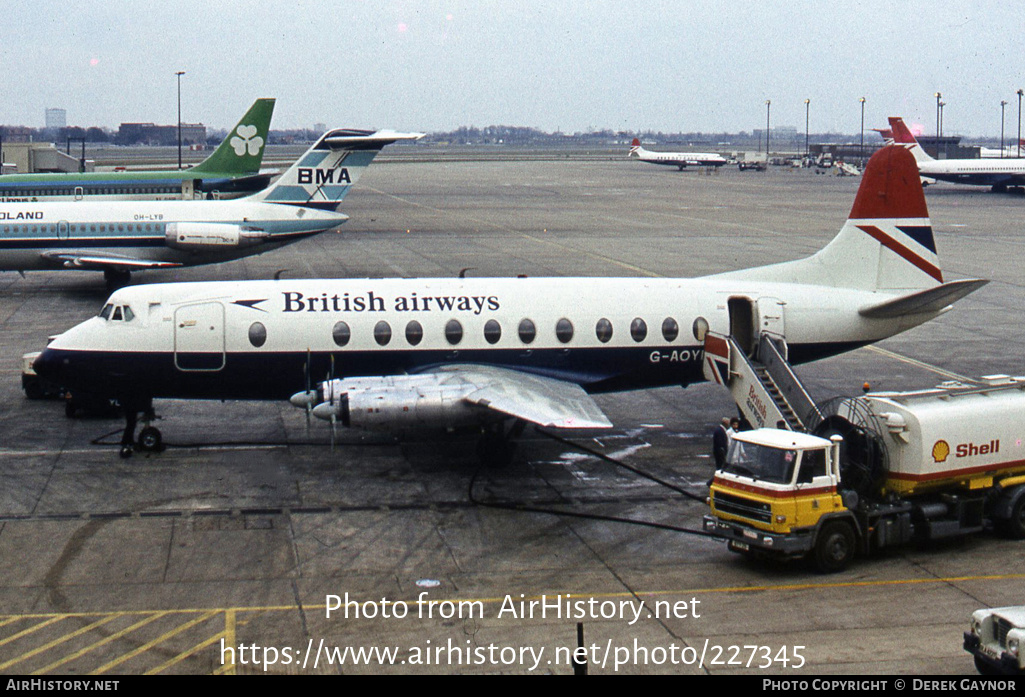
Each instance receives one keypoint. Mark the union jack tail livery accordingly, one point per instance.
(886, 245)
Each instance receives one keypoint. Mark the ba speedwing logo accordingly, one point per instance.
(246, 141)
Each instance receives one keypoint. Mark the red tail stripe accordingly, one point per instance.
(905, 253)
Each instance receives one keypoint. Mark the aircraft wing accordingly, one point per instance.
(100, 262)
(539, 400)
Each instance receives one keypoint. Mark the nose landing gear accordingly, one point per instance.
(150, 439)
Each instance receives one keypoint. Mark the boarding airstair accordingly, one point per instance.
(764, 386)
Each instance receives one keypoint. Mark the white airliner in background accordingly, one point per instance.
(993, 172)
(118, 237)
(1007, 151)
(445, 353)
(676, 159)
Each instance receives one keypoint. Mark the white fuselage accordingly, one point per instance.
(40, 235)
(679, 159)
(256, 338)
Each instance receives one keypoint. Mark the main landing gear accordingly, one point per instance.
(116, 278)
(497, 445)
(150, 438)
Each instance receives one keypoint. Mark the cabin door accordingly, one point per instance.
(743, 323)
(199, 337)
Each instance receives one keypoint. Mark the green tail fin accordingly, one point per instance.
(241, 152)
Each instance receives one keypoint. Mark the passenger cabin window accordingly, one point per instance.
(453, 331)
(527, 331)
(414, 333)
(638, 330)
(257, 334)
(382, 333)
(341, 333)
(564, 330)
(670, 329)
(492, 331)
(603, 330)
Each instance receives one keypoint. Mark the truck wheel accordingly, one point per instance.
(1014, 526)
(834, 547)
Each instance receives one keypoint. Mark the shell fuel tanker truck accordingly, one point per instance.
(881, 470)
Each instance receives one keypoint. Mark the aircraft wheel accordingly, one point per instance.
(150, 439)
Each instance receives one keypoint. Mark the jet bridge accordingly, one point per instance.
(764, 386)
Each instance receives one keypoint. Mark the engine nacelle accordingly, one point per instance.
(211, 236)
(401, 402)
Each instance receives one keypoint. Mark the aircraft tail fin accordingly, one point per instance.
(241, 152)
(323, 175)
(903, 135)
(887, 243)
(635, 148)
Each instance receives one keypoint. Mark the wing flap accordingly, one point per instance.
(534, 398)
(929, 300)
(72, 260)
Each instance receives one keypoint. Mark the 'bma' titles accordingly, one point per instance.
(369, 302)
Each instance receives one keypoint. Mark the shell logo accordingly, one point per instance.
(940, 451)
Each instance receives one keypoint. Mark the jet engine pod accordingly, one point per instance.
(211, 236)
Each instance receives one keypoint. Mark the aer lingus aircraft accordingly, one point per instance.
(483, 352)
(118, 237)
(679, 160)
(233, 169)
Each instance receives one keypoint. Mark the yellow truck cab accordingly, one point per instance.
(776, 490)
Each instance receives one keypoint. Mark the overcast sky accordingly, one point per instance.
(435, 65)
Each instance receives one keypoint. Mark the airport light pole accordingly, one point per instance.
(768, 105)
(938, 95)
(1003, 103)
(1020, 92)
(861, 151)
(179, 74)
(942, 104)
(807, 112)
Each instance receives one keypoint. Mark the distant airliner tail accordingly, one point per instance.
(323, 175)
(887, 243)
(902, 134)
(241, 152)
(635, 148)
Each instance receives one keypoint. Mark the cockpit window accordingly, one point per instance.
(117, 313)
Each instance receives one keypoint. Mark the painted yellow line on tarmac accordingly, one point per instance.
(56, 642)
(150, 617)
(150, 644)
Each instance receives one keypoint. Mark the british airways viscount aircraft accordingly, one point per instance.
(679, 160)
(118, 237)
(401, 353)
